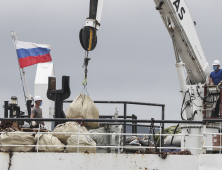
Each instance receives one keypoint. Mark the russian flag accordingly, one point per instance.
(31, 53)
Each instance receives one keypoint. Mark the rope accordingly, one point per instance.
(85, 90)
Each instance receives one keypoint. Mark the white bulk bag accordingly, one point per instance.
(67, 127)
(84, 107)
(48, 139)
(84, 140)
(17, 139)
(99, 139)
(176, 140)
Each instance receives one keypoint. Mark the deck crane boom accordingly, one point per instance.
(199, 99)
(192, 67)
(189, 57)
(181, 27)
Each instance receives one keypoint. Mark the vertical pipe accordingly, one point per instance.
(11, 112)
(6, 109)
(220, 138)
(136, 124)
(220, 103)
(124, 130)
(181, 76)
(119, 145)
(58, 107)
(134, 127)
(38, 139)
(204, 138)
(163, 117)
(133, 123)
(160, 138)
(17, 112)
(78, 138)
(204, 102)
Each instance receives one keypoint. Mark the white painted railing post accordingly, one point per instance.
(119, 145)
(160, 138)
(78, 139)
(204, 139)
(220, 138)
(38, 139)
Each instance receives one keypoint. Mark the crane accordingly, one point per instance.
(191, 64)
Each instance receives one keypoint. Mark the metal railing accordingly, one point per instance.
(118, 146)
(125, 103)
(117, 122)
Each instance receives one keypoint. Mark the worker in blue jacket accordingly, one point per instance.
(216, 79)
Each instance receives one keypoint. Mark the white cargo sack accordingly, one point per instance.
(67, 127)
(48, 139)
(16, 139)
(83, 140)
(84, 107)
(176, 140)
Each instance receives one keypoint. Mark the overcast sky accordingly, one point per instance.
(134, 58)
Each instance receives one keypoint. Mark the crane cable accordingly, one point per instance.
(85, 64)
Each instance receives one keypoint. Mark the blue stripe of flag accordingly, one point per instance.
(22, 53)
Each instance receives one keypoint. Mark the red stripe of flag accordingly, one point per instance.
(28, 61)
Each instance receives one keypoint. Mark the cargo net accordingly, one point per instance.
(150, 140)
(153, 141)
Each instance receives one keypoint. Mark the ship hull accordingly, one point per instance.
(84, 161)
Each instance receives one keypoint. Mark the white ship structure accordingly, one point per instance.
(110, 146)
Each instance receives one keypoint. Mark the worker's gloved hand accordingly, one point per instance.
(34, 123)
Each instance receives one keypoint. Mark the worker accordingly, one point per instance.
(216, 79)
(37, 111)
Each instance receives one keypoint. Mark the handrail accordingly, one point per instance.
(119, 134)
(107, 146)
(122, 102)
(77, 133)
(112, 146)
(107, 120)
(125, 103)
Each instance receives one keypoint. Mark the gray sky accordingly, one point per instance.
(133, 60)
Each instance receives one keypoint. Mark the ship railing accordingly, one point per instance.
(119, 146)
(125, 113)
(117, 122)
(217, 148)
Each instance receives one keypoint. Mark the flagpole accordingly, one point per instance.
(26, 85)
(14, 35)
